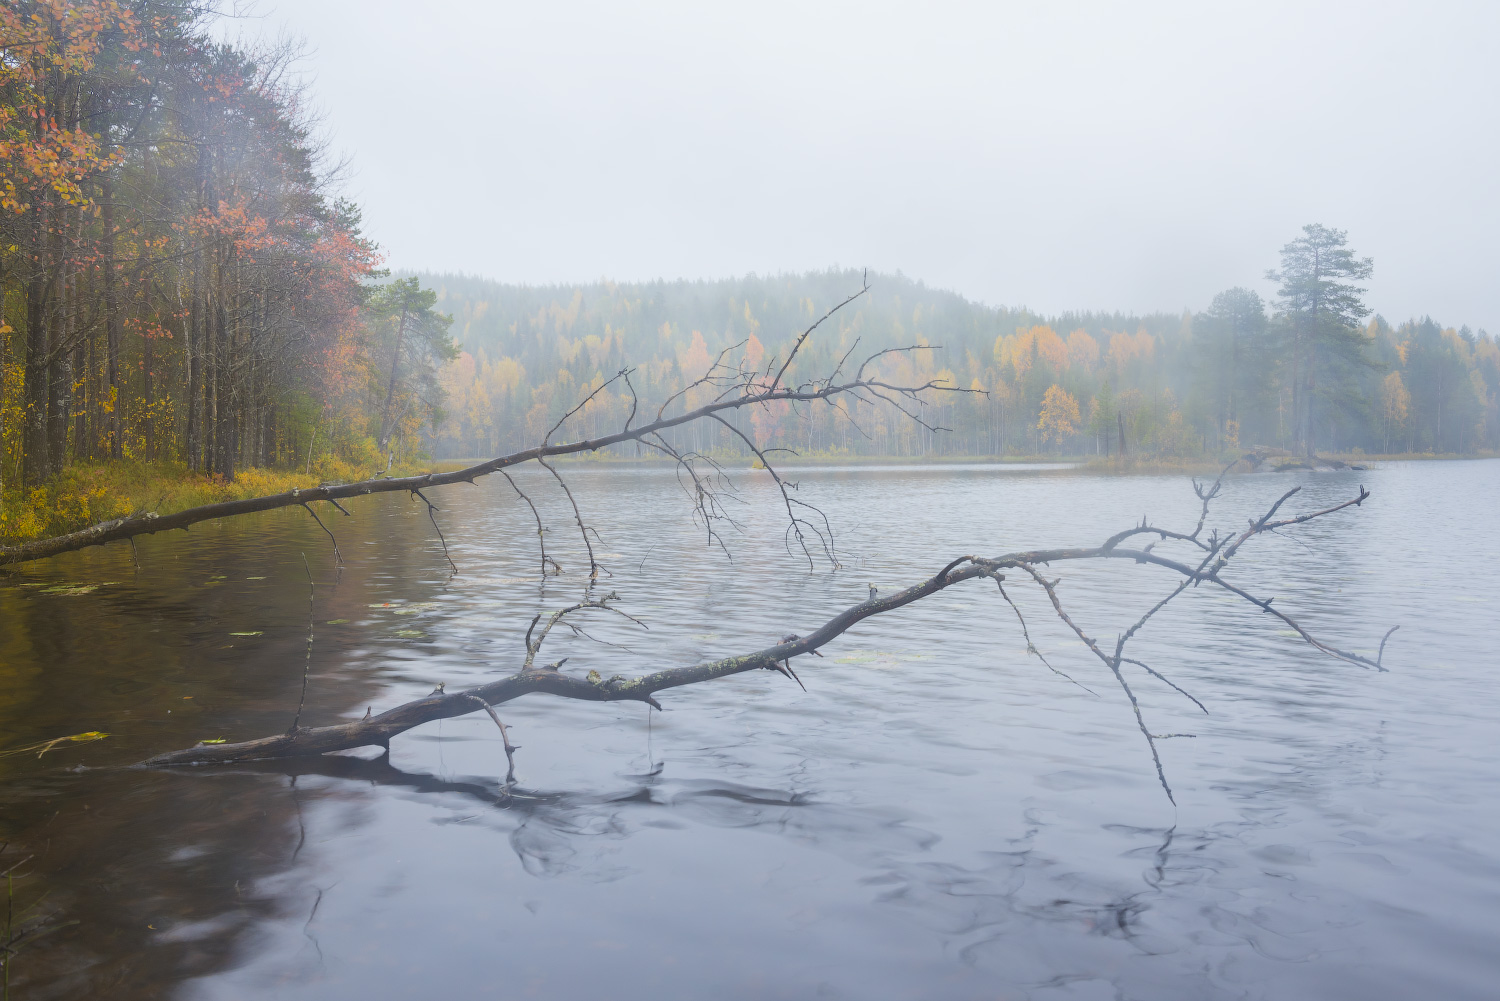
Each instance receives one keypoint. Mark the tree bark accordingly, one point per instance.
(35, 461)
(386, 430)
(111, 318)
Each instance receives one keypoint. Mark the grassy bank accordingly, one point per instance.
(89, 493)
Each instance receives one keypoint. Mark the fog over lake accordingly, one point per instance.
(1060, 156)
(937, 816)
(898, 502)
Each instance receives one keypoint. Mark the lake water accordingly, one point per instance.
(938, 816)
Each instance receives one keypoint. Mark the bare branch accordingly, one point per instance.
(510, 750)
(583, 530)
(541, 531)
(583, 403)
(529, 679)
(431, 515)
(336, 554)
(788, 500)
(792, 354)
(999, 579)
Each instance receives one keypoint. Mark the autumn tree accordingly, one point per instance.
(1395, 405)
(1059, 419)
(186, 282)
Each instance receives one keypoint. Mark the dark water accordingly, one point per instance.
(937, 817)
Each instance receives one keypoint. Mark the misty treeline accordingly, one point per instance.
(179, 283)
(1307, 371)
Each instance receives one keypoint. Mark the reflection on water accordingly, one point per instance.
(938, 817)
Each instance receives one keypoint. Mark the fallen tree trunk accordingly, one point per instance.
(734, 386)
(379, 729)
(151, 523)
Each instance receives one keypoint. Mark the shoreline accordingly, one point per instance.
(1049, 465)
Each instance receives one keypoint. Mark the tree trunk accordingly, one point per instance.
(116, 432)
(224, 436)
(60, 376)
(148, 390)
(35, 464)
(386, 429)
(194, 342)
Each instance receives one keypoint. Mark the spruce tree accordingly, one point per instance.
(1321, 307)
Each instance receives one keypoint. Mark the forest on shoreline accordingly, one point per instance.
(189, 312)
(1186, 386)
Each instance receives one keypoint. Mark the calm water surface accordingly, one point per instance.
(939, 816)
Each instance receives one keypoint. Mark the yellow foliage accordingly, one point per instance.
(1059, 419)
(1395, 401)
(1083, 351)
(1126, 348)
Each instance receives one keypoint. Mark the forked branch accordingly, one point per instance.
(551, 680)
(734, 387)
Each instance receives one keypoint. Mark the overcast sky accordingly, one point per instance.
(1133, 156)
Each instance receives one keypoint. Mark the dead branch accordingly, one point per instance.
(337, 556)
(378, 730)
(541, 530)
(432, 510)
(739, 389)
(583, 530)
(795, 523)
(708, 506)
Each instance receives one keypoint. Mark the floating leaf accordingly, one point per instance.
(76, 588)
(64, 587)
(335, 622)
(411, 634)
(256, 633)
(216, 740)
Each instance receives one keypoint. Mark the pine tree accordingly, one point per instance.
(1321, 308)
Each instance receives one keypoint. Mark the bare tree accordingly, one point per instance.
(1205, 563)
(1203, 560)
(734, 387)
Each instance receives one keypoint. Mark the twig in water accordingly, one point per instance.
(541, 531)
(307, 661)
(338, 556)
(583, 530)
(510, 749)
(431, 507)
(1380, 656)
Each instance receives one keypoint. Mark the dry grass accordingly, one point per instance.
(89, 493)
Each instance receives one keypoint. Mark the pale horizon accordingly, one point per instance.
(1079, 158)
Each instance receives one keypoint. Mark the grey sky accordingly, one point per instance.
(1131, 156)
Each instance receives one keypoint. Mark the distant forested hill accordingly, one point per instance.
(1180, 384)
